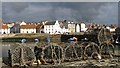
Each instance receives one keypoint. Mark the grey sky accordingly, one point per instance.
(60, 0)
(0, 9)
(99, 12)
(119, 13)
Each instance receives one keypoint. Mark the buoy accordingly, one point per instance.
(23, 40)
(36, 40)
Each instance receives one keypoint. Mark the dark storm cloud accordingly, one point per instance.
(79, 11)
(15, 7)
(36, 11)
(108, 14)
(18, 7)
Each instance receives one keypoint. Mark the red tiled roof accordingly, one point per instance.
(4, 26)
(29, 26)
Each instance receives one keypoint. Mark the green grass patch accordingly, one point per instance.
(31, 34)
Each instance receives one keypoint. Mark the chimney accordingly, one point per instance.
(56, 21)
(43, 23)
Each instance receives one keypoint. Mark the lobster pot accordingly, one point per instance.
(105, 36)
(91, 48)
(105, 39)
(107, 50)
(72, 52)
(53, 52)
(48, 53)
(79, 51)
(83, 45)
(22, 55)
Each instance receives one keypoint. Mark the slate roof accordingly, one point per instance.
(50, 23)
(62, 24)
(65, 24)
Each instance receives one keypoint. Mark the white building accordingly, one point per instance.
(5, 29)
(83, 27)
(111, 29)
(10, 24)
(71, 27)
(64, 30)
(77, 28)
(54, 28)
(23, 23)
(28, 28)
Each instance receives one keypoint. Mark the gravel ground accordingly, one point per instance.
(78, 64)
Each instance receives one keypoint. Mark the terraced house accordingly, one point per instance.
(5, 29)
(55, 27)
(30, 28)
